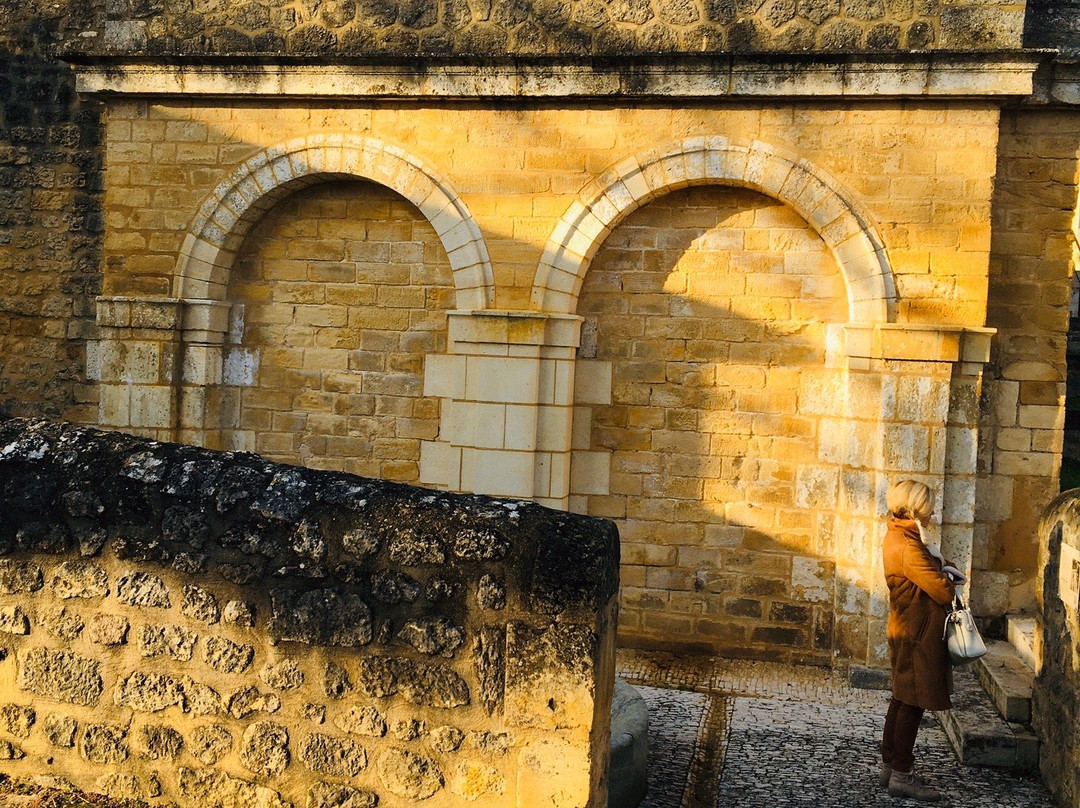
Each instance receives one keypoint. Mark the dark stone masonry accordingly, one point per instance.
(166, 610)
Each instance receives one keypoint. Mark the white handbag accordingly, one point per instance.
(962, 635)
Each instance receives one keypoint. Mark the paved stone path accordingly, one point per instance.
(761, 735)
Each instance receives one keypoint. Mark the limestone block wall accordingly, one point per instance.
(338, 295)
(180, 625)
(1032, 261)
(648, 316)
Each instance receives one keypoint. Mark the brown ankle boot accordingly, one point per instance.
(908, 784)
(884, 773)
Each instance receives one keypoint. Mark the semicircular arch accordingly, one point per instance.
(232, 208)
(633, 182)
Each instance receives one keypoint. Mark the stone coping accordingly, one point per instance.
(687, 77)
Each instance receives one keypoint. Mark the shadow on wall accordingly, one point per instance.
(51, 180)
(338, 294)
(712, 306)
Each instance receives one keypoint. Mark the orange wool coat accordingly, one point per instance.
(918, 594)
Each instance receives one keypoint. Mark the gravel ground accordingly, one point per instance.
(758, 735)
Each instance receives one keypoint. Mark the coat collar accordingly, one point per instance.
(909, 527)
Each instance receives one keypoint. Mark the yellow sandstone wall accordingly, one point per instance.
(923, 172)
(738, 435)
(339, 293)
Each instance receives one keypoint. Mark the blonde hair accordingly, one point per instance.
(910, 499)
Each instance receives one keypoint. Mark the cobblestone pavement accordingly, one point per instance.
(761, 735)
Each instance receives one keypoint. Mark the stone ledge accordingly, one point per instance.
(686, 77)
(918, 342)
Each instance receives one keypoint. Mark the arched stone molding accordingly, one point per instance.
(219, 227)
(637, 180)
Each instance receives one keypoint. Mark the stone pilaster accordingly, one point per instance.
(136, 362)
(507, 390)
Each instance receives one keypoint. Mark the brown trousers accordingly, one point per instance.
(898, 740)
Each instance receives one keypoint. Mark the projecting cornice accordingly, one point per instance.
(926, 75)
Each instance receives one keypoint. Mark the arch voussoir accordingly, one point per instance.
(637, 179)
(261, 180)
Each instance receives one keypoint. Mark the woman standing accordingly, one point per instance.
(921, 586)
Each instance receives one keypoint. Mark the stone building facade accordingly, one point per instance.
(720, 272)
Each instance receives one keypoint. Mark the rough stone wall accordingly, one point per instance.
(339, 294)
(1056, 696)
(557, 27)
(210, 629)
(1053, 24)
(712, 305)
(1023, 407)
(50, 219)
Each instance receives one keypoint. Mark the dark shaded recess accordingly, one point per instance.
(1055, 693)
(1053, 24)
(49, 145)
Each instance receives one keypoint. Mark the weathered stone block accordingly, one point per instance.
(17, 719)
(446, 738)
(336, 682)
(339, 757)
(408, 729)
(285, 675)
(176, 642)
(121, 786)
(320, 617)
(239, 612)
(210, 743)
(104, 743)
(13, 620)
(149, 692)
(108, 629)
(489, 664)
(432, 636)
(16, 576)
(409, 775)
(199, 698)
(410, 547)
(160, 742)
(480, 545)
(227, 656)
(142, 589)
(362, 720)
(200, 604)
(491, 592)
(61, 623)
(215, 789)
(250, 700)
(330, 795)
(60, 730)
(61, 676)
(264, 749)
(392, 586)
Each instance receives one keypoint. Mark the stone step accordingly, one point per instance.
(978, 733)
(1007, 680)
(1021, 633)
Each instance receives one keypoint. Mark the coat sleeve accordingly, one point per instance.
(923, 570)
